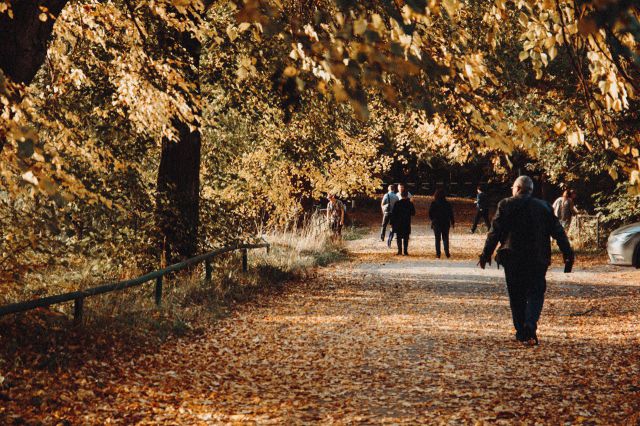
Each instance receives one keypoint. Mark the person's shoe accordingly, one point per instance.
(448, 255)
(399, 253)
(382, 238)
(529, 337)
(520, 337)
(406, 254)
(533, 341)
(389, 243)
(472, 231)
(438, 255)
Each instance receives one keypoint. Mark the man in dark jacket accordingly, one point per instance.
(401, 221)
(441, 215)
(482, 210)
(523, 226)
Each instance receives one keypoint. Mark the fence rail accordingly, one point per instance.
(78, 296)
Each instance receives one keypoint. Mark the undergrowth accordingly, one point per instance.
(189, 302)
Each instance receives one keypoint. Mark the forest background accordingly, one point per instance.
(133, 134)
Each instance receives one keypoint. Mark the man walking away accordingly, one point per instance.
(482, 210)
(388, 201)
(564, 208)
(401, 221)
(523, 225)
(335, 216)
(441, 215)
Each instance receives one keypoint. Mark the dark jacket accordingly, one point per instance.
(401, 216)
(523, 226)
(441, 214)
(482, 201)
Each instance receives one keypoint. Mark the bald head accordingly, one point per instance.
(522, 186)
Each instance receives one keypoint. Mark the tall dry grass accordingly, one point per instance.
(188, 300)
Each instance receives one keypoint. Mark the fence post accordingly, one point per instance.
(159, 290)
(207, 271)
(245, 267)
(78, 305)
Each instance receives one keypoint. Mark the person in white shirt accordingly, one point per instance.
(388, 201)
(564, 208)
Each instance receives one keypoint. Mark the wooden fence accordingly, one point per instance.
(78, 296)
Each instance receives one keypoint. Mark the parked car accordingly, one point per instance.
(623, 245)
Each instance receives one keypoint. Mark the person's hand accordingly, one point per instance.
(483, 262)
(571, 258)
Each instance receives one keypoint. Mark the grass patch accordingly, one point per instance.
(189, 302)
(353, 233)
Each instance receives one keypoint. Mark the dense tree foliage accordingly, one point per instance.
(130, 129)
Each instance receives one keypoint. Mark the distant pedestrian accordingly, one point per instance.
(523, 226)
(482, 209)
(441, 215)
(400, 187)
(335, 215)
(403, 188)
(401, 221)
(564, 208)
(388, 201)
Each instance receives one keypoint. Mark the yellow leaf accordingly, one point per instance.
(360, 26)
(560, 127)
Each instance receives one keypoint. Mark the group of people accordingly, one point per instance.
(522, 225)
(397, 210)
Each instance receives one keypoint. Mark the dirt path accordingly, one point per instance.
(384, 339)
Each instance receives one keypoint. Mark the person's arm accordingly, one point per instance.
(495, 233)
(451, 217)
(431, 212)
(555, 207)
(413, 208)
(558, 233)
(573, 208)
(385, 201)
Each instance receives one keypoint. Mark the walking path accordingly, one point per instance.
(386, 339)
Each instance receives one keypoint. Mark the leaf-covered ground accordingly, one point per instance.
(379, 339)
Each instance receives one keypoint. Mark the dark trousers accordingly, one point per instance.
(441, 234)
(385, 221)
(526, 285)
(484, 214)
(336, 228)
(403, 242)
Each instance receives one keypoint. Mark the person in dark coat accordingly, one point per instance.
(482, 210)
(524, 225)
(441, 215)
(401, 221)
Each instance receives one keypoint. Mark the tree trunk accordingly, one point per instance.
(25, 38)
(178, 190)
(178, 201)
(23, 47)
